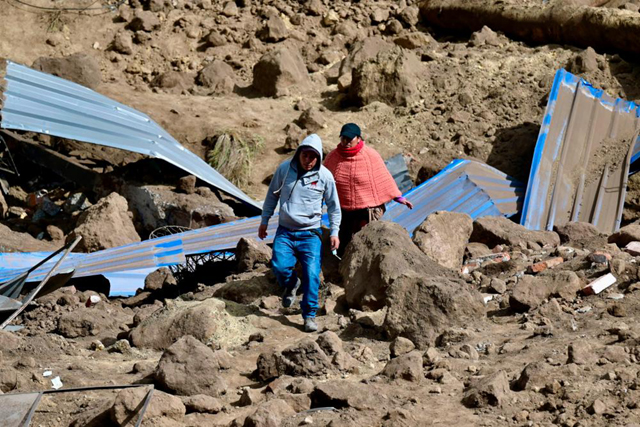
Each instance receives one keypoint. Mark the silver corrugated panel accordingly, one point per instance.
(39, 102)
(581, 160)
(463, 186)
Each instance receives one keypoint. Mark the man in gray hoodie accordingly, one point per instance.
(301, 184)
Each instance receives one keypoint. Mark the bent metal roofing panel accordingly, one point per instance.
(39, 102)
(581, 160)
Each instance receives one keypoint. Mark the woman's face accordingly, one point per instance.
(349, 143)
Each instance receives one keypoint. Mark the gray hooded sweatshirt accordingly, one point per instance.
(301, 196)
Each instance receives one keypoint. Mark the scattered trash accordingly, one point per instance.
(615, 297)
(583, 310)
(56, 383)
(487, 298)
(600, 284)
(93, 300)
(335, 254)
(633, 248)
(543, 265)
(47, 373)
(476, 263)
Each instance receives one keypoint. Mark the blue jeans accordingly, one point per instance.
(305, 246)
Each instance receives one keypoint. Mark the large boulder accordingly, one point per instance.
(79, 68)
(245, 288)
(189, 367)
(493, 230)
(360, 52)
(443, 237)
(269, 414)
(391, 77)
(491, 390)
(198, 319)
(158, 206)
(383, 268)
(274, 30)
(280, 72)
(162, 406)
(407, 367)
(106, 224)
(218, 77)
(93, 321)
(626, 235)
(250, 253)
(303, 359)
(577, 232)
(531, 291)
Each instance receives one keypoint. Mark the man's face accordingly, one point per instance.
(308, 159)
(348, 143)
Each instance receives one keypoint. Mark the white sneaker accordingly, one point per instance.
(310, 324)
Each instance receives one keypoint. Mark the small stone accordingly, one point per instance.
(401, 346)
(597, 407)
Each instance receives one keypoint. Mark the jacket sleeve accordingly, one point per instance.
(271, 200)
(333, 205)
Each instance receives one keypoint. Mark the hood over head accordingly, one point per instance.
(312, 141)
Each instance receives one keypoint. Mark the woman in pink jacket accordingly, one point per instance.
(363, 181)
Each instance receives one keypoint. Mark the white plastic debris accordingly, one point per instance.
(600, 284)
(56, 383)
(47, 373)
(488, 298)
(585, 309)
(615, 297)
(307, 421)
(93, 300)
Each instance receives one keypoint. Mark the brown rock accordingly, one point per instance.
(443, 237)
(584, 62)
(9, 379)
(407, 367)
(123, 43)
(295, 134)
(534, 375)
(381, 268)
(303, 359)
(187, 184)
(390, 77)
(162, 278)
(492, 390)
(344, 394)
(164, 327)
(329, 342)
(162, 406)
(172, 81)
(93, 321)
(410, 15)
(269, 414)
(312, 120)
(106, 224)
(144, 20)
(189, 367)
(9, 341)
(202, 403)
(79, 68)
(55, 233)
(486, 36)
(494, 231)
(250, 253)
(275, 30)
(280, 72)
(413, 40)
(580, 353)
(574, 232)
(219, 77)
(360, 52)
(625, 235)
(401, 346)
(248, 287)
(250, 397)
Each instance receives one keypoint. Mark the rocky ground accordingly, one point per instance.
(480, 323)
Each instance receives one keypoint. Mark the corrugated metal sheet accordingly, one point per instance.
(579, 169)
(463, 186)
(39, 102)
(144, 255)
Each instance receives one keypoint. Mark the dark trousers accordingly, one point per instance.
(354, 221)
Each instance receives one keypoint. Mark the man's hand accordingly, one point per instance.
(262, 231)
(335, 243)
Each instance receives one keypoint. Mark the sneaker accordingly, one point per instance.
(310, 324)
(289, 295)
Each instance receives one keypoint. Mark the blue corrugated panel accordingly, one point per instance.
(572, 177)
(143, 255)
(463, 186)
(39, 102)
